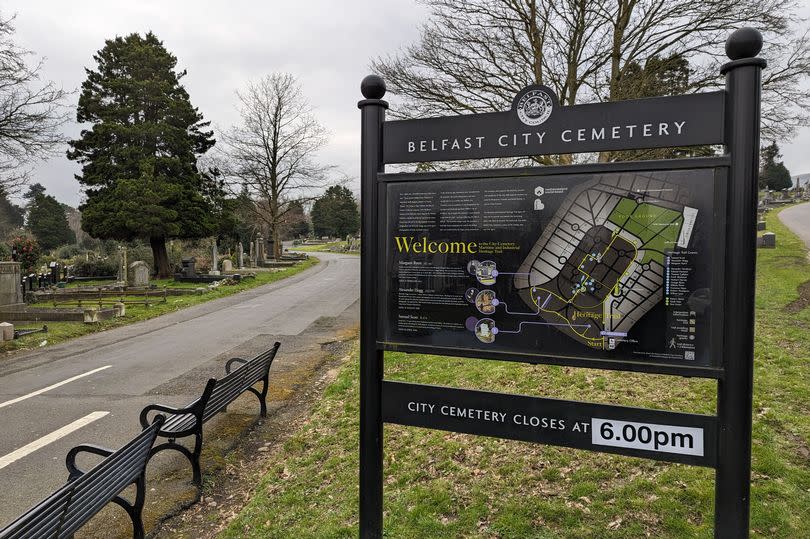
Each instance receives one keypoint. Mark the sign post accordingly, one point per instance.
(609, 265)
(371, 357)
(735, 389)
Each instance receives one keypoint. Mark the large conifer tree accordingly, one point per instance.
(47, 219)
(335, 214)
(139, 157)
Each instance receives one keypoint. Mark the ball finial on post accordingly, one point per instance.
(744, 43)
(373, 87)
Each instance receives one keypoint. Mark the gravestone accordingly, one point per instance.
(10, 290)
(769, 240)
(760, 225)
(91, 316)
(138, 273)
(240, 255)
(6, 332)
(189, 267)
(270, 248)
(122, 270)
(259, 250)
(214, 261)
(227, 265)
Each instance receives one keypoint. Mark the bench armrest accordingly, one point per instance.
(70, 461)
(233, 360)
(192, 409)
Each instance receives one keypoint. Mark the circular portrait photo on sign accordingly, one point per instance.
(485, 271)
(485, 301)
(485, 330)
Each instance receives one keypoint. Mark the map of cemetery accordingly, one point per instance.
(599, 266)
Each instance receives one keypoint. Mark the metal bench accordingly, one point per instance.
(62, 513)
(217, 395)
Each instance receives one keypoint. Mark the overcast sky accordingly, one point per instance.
(325, 43)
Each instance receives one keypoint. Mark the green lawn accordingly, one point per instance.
(331, 247)
(61, 331)
(440, 484)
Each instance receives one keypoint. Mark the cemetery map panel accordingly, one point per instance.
(612, 266)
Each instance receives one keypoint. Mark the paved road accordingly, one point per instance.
(797, 219)
(158, 360)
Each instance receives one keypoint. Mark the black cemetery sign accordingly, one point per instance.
(643, 266)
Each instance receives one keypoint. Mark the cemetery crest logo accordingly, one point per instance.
(534, 107)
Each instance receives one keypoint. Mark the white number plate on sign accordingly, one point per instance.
(647, 436)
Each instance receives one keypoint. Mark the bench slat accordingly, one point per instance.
(70, 507)
(223, 399)
(178, 423)
(42, 520)
(95, 489)
(216, 396)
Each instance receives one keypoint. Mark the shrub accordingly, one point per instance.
(28, 252)
(5, 252)
(139, 251)
(68, 251)
(95, 268)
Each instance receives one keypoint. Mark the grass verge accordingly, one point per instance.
(441, 484)
(332, 247)
(62, 331)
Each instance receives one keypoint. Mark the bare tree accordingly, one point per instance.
(272, 150)
(474, 56)
(31, 112)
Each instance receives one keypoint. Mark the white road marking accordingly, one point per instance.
(54, 386)
(49, 438)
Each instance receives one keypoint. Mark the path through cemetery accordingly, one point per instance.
(92, 389)
(797, 219)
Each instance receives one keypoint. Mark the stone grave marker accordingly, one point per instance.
(138, 273)
(214, 261)
(6, 332)
(189, 267)
(10, 289)
(227, 265)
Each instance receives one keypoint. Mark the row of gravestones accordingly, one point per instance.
(766, 240)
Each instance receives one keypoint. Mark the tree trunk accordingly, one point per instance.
(277, 243)
(161, 256)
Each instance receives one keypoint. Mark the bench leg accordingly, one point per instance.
(195, 461)
(192, 456)
(135, 511)
(261, 399)
(263, 396)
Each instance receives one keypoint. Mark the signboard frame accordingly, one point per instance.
(735, 126)
(717, 164)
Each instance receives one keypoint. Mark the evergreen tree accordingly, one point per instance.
(657, 77)
(335, 214)
(773, 174)
(295, 222)
(139, 158)
(47, 219)
(33, 192)
(11, 216)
